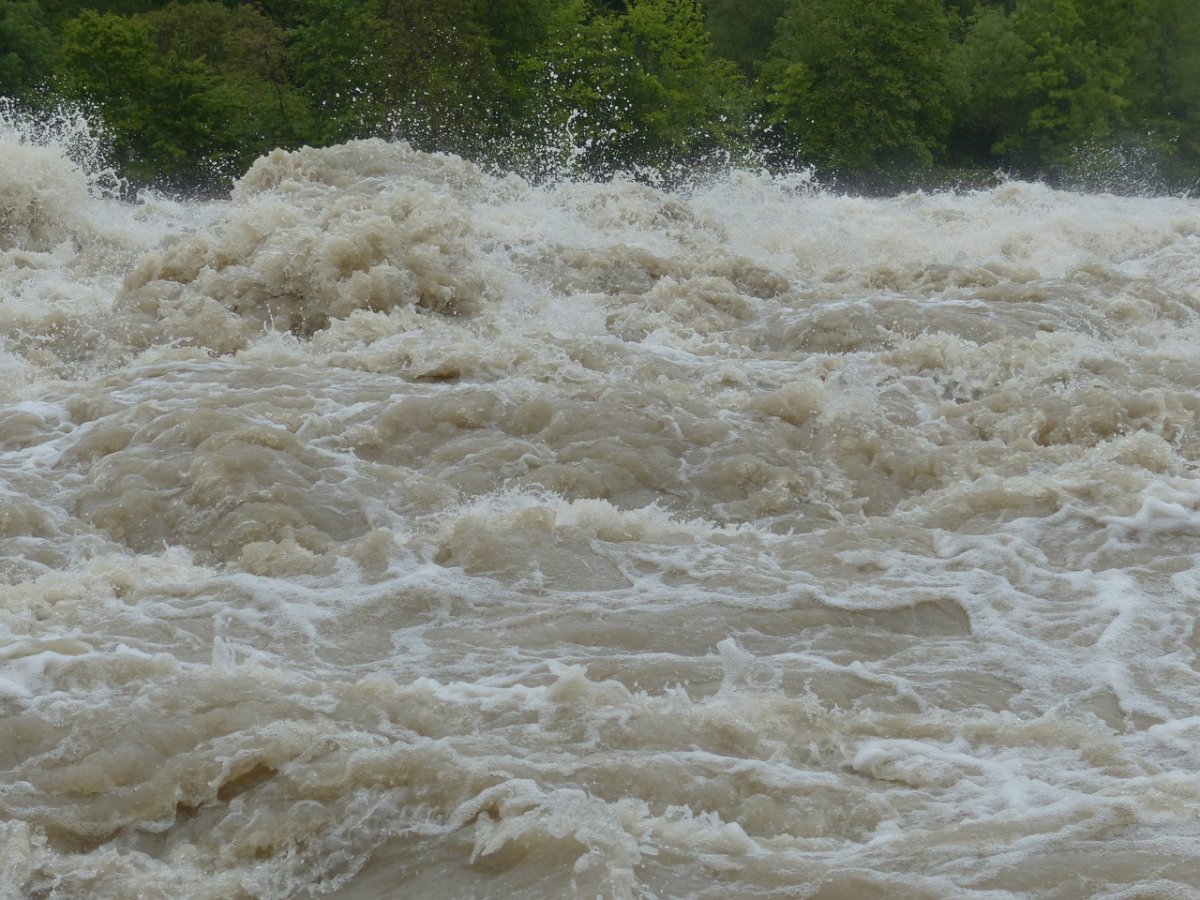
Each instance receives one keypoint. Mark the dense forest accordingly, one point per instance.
(877, 93)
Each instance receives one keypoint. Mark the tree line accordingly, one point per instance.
(878, 92)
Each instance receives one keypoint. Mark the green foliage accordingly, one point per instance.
(26, 47)
(169, 108)
(440, 75)
(742, 30)
(637, 87)
(421, 68)
(107, 58)
(1040, 83)
(861, 85)
(335, 45)
(192, 90)
(516, 27)
(1163, 87)
(698, 98)
(249, 54)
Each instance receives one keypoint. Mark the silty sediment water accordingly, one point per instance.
(397, 529)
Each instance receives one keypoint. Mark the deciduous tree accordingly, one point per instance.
(1041, 84)
(27, 47)
(861, 85)
(635, 88)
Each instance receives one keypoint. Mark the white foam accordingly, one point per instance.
(721, 541)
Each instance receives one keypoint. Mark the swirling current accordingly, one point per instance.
(393, 528)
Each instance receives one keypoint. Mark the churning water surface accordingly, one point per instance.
(393, 529)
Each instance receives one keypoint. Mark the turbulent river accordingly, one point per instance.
(395, 529)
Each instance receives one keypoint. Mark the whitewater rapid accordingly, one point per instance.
(396, 529)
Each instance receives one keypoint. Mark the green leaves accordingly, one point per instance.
(175, 90)
(414, 69)
(1041, 84)
(195, 89)
(742, 30)
(861, 85)
(27, 48)
(637, 87)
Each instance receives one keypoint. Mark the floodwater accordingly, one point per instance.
(393, 529)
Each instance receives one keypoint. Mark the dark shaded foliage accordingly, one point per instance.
(870, 91)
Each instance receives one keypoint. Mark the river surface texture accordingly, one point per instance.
(393, 529)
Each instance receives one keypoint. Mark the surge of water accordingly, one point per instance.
(397, 529)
